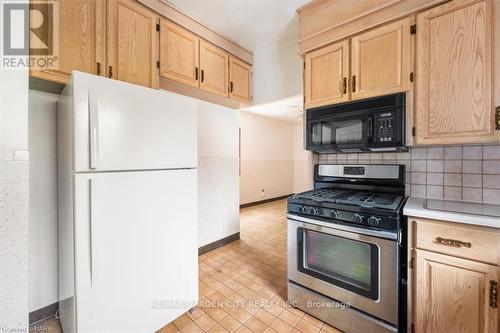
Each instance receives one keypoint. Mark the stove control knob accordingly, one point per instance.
(335, 214)
(314, 211)
(301, 209)
(373, 221)
(357, 218)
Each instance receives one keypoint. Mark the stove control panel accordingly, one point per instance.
(342, 216)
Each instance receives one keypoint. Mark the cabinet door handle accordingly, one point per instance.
(353, 83)
(493, 294)
(452, 242)
(231, 86)
(110, 71)
(202, 75)
(344, 86)
(98, 71)
(196, 73)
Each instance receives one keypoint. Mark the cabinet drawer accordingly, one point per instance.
(459, 240)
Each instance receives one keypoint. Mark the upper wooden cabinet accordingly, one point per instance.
(325, 21)
(454, 73)
(240, 80)
(190, 60)
(214, 69)
(179, 54)
(326, 75)
(453, 295)
(82, 42)
(374, 63)
(132, 43)
(380, 61)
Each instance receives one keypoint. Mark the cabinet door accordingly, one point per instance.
(454, 84)
(240, 80)
(132, 43)
(381, 60)
(214, 66)
(179, 54)
(326, 75)
(453, 295)
(82, 38)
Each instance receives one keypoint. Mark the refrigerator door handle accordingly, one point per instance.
(91, 229)
(93, 130)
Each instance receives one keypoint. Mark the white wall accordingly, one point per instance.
(43, 252)
(266, 158)
(14, 200)
(277, 72)
(218, 181)
(303, 164)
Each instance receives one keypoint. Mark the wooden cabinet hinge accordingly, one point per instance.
(413, 131)
(413, 29)
(411, 77)
(493, 294)
(497, 118)
(157, 27)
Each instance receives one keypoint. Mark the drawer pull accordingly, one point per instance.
(493, 294)
(452, 242)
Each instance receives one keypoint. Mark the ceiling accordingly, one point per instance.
(289, 110)
(252, 24)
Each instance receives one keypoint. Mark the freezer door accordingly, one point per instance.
(121, 126)
(136, 249)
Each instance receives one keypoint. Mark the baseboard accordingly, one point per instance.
(219, 243)
(255, 203)
(46, 312)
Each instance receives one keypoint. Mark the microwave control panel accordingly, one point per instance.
(386, 127)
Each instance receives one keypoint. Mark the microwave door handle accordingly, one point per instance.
(369, 129)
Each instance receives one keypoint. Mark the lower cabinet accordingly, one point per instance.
(456, 272)
(454, 295)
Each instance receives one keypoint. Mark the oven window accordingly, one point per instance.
(349, 264)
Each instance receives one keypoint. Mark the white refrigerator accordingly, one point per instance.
(128, 256)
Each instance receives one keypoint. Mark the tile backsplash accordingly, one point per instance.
(14, 236)
(470, 173)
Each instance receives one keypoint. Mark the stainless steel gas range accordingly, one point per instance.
(346, 240)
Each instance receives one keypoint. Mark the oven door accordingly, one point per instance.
(349, 264)
(344, 131)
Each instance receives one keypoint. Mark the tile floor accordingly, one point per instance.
(243, 284)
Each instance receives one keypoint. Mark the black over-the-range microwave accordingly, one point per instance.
(374, 124)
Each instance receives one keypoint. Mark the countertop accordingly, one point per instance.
(454, 211)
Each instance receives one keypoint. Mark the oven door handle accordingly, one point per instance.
(367, 232)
